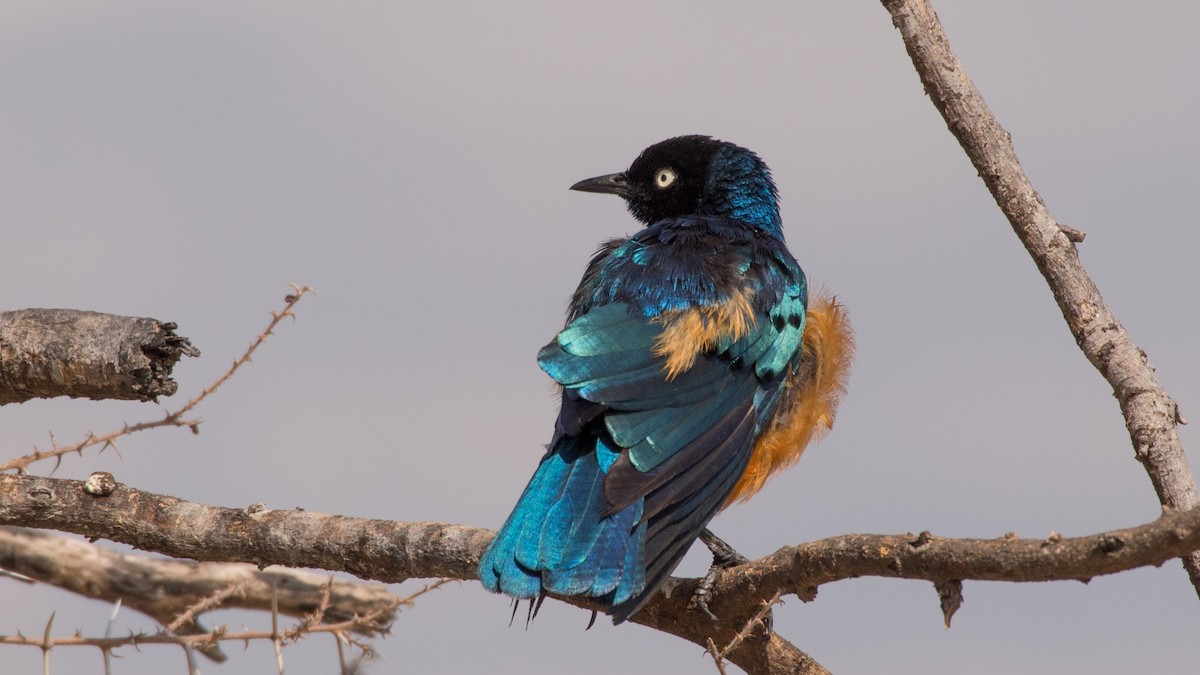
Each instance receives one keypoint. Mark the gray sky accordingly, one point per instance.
(410, 161)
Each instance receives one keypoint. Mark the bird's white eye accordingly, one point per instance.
(664, 178)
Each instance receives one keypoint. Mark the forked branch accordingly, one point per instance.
(1150, 414)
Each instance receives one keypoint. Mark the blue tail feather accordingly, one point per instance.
(573, 523)
(558, 541)
(530, 514)
(633, 570)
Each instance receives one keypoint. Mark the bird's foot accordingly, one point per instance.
(724, 557)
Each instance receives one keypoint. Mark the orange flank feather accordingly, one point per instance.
(688, 333)
(811, 397)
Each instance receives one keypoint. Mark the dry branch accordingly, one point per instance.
(167, 589)
(65, 352)
(393, 551)
(370, 624)
(1150, 414)
(801, 569)
(383, 550)
(175, 418)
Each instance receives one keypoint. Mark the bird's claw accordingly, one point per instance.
(700, 597)
(724, 557)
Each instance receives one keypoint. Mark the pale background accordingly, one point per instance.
(410, 161)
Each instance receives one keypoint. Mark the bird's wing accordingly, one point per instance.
(681, 397)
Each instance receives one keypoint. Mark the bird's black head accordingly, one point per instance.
(694, 175)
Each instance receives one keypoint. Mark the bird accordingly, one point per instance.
(692, 366)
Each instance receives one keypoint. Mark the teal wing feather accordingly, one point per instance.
(682, 443)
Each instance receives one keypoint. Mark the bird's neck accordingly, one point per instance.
(740, 186)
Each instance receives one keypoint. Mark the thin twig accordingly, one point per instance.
(189, 653)
(170, 419)
(341, 651)
(317, 615)
(759, 619)
(369, 624)
(717, 658)
(755, 621)
(205, 604)
(112, 621)
(276, 637)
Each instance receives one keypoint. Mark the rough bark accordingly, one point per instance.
(1150, 414)
(383, 550)
(65, 352)
(392, 551)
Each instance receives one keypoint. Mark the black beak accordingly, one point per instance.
(612, 184)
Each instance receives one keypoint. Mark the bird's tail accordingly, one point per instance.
(557, 540)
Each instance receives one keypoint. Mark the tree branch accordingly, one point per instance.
(170, 419)
(371, 624)
(393, 551)
(1150, 414)
(167, 589)
(801, 569)
(65, 352)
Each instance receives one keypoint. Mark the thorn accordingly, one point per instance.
(112, 618)
(46, 635)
